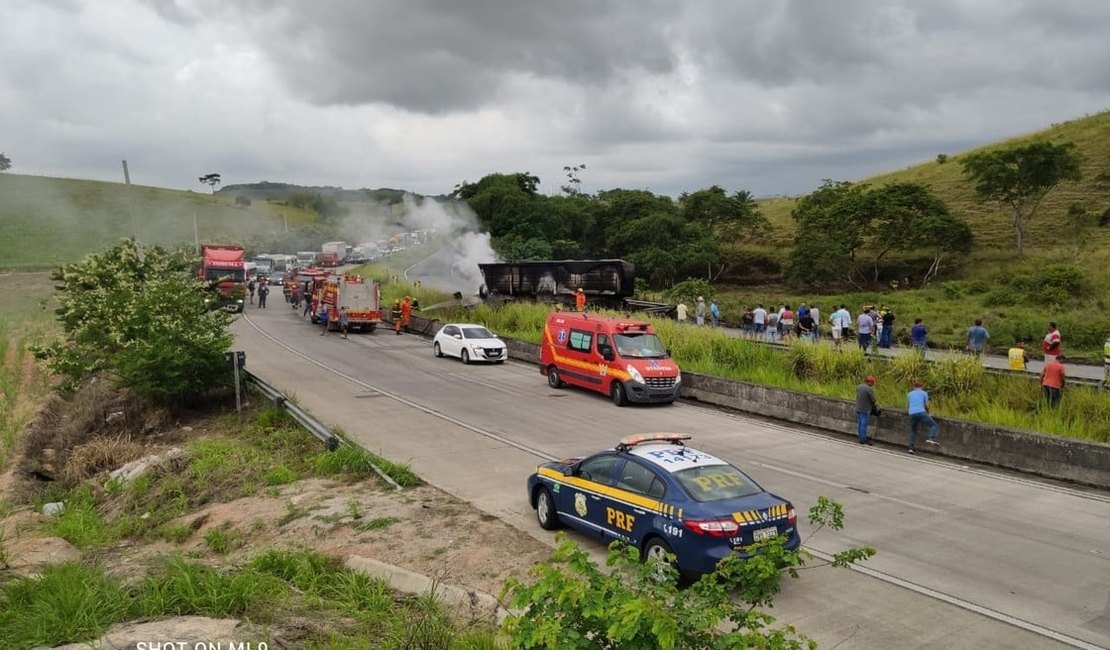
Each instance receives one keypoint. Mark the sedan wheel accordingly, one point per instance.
(465, 356)
(545, 510)
(436, 349)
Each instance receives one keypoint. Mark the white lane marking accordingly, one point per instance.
(810, 477)
(964, 604)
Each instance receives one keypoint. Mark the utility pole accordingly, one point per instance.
(131, 211)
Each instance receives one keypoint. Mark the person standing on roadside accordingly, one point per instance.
(806, 326)
(747, 322)
(815, 314)
(887, 316)
(1106, 363)
(344, 321)
(918, 335)
(917, 401)
(323, 317)
(865, 327)
(1052, 380)
(977, 337)
(263, 291)
(406, 312)
(838, 327)
(699, 311)
(759, 320)
(680, 312)
(865, 408)
(250, 288)
(1050, 345)
(786, 321)
(714, 313)
(580, 300)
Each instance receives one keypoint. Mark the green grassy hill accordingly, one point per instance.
(990, 224)
(45, 222)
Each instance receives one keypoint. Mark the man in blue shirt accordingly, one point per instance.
(977, 337)
(918, 334)
(918, 402)
(714, 312)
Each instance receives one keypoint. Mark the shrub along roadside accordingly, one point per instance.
(959, 387)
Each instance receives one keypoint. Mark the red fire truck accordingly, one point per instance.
(221, 266)
(362, 299)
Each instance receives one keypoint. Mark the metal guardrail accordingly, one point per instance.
(314, 426)
(330, 440)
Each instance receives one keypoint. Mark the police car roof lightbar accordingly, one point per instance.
(629, 442)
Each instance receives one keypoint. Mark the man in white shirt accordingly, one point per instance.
(759, 319)
(815, 314)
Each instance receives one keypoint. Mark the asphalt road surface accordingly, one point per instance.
(968, 557)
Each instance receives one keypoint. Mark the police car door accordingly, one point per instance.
(586, 502)
(637, 500)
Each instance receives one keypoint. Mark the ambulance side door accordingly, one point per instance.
(582, 369)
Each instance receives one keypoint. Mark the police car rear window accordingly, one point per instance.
(716, 482)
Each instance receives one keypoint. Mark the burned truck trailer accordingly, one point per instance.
(607, 283)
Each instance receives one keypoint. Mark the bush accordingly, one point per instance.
(570, 603)
(67, 603)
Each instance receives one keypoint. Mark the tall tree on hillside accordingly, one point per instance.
(728, 218)
(212, 180)
(832, 224)
(1020, 178)
(5, 162)
(909, 217)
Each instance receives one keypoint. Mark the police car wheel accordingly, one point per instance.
(435, 348)
(656, 550)
(464, 356)
(553, 378)
(617, 393)
(545, 510)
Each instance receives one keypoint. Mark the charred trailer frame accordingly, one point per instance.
(607, 283)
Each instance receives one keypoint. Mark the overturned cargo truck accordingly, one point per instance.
(606, 283)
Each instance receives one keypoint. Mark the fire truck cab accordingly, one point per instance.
(618, 357)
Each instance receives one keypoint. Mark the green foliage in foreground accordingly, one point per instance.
(138, 313)
(75, 602)
(960, 388)
(570, 602)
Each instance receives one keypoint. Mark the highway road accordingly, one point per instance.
(968, 557)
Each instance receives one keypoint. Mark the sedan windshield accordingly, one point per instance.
(716, 482)
(477, 333)
(640, 346)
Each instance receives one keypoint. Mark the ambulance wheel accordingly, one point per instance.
(464, 356)
(435, 348)
(553, 378)
(617, 393)
(545, 510)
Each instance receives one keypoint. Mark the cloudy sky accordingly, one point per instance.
(770, 96)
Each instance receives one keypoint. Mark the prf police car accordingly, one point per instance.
(662, 496)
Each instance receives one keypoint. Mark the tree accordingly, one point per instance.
(1021, 177)
(728, 218)
(140, 315)
(574, 184)
(5, 162)
(570, 603)
(833, 224)
(910, 217)
(212, 180)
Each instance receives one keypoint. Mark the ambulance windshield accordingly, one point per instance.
(639, 346)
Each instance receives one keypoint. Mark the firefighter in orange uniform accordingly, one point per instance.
(395, 314)
(580, 300)
(406, 312)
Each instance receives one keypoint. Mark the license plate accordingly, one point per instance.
(761, 534)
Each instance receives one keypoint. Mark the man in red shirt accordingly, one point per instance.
(1052, 380)
(1050, 345)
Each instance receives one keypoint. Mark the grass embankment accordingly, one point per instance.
(46, 222)
(27, 322)
(959, 387)
(78, 601)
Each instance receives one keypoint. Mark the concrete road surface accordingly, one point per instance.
(967, 557)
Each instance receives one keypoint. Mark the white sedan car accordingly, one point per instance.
(470, 343)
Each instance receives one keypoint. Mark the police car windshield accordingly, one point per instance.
(640, 346)
(477, 333)
(716, 483)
